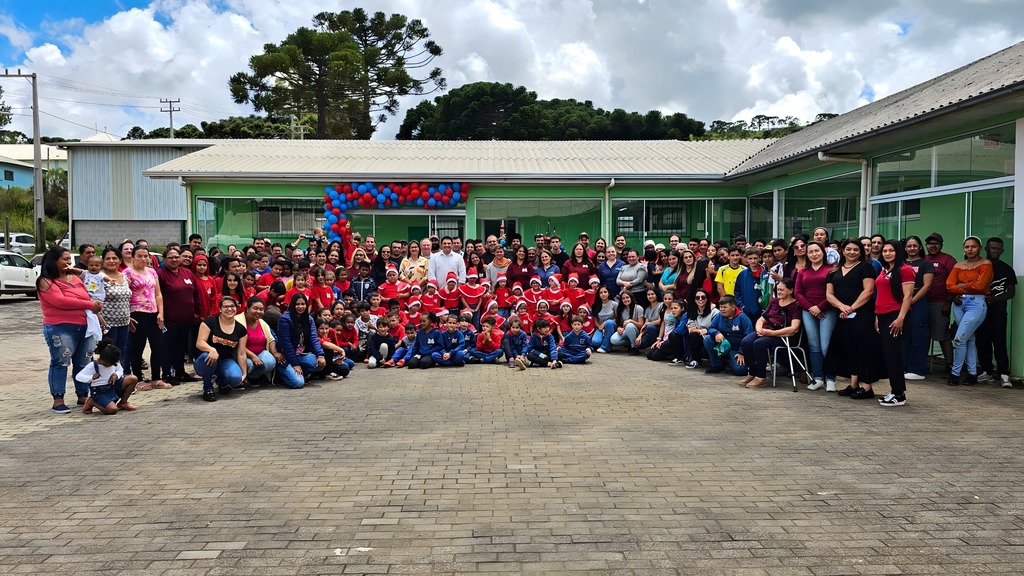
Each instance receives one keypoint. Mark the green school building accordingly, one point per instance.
(937, 157)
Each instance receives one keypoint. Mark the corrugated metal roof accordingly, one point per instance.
(1002, 70)
(341, 159)
(13, 162)
(26, 152)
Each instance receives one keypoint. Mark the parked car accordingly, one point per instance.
(20, 242)
(17, 275)
(65, 242)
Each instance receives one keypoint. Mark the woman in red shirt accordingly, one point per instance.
(819, 317)
(64, 301)
(894, 289)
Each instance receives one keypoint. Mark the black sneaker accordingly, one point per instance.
(714, 369)
(954, 380)
(473, 360)
(971, 380)
(209, 395)
(849, 390)
(892, 400)
(862, 394)
(224, 390)
(172, 381)
(61, 409)
(633, 351)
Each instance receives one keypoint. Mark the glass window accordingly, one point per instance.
(641, 220)
(566, 217)
(761, 216)
(980, 156)
(992, 215)
(832, 203)
(628, 220)
(728, 218)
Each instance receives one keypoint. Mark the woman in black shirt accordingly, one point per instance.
(855, 349)
(221, 345)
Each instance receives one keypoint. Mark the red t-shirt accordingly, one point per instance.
(323, 293)
(348, 337)
(884, 302)
(450, 298)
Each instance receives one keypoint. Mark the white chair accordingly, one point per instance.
(792, 351)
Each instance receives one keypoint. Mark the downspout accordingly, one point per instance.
(865, 186)
(608, 209)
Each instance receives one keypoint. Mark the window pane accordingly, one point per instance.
(760, 225)
(628, 220)
(887, 221)
(992, 215)
(942, 214)
(728, 218)
(831, 203)
(567, 216)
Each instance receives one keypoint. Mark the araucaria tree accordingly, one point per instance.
(349, 70)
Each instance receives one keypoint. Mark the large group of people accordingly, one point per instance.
(864, 308)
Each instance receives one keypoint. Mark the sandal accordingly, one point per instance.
(143, 387)
(126, 406)
(161, 385)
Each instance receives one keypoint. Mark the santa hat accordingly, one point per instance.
(392, 270)
(595, 280)
(557, 278)
(431, 282)
(414, 302)
(472, 275)
(501, 277)
(415, 287)
(544, 302)
(485, 282)
(442, 313)
(584, 308)
(492, 304)
(566, 303)
(522, 303)
(452, 277)
(574, 276)
(517, 286)
(535, 279)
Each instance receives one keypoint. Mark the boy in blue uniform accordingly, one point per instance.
(575, 348)
(451, 352)
(513, 344)
(428, 341)
(468, 334)
(541, 350)
(732, 327)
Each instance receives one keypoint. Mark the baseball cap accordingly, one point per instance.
(934, 236)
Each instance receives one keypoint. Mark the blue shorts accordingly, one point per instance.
(107, 393)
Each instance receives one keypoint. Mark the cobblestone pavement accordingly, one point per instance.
(623, 466)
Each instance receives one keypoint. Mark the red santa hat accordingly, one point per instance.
(522, 303)
(414, 302)
(517, 286)
(392, 270)
(472, 275)
(492, 304)
(442, 313)
(565, 303)
(452, 277)
(535, 279)
(584, 308)
(431, 283)
(574, 276)
(415, 287)
(557, 278)
(485, 282)
(500, 278)
(595, 280)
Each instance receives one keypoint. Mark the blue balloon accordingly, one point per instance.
(457, 187)
(362, 189)
(431, 202)
(387, 190)
(394, 197)
(419, 201)
(332, 219)
(370, 186)
(333, 194)
(381, 206)
(380, 198)
(431, 190)
(442, 188)
(456, 197)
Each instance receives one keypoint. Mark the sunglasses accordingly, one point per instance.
(700, 297)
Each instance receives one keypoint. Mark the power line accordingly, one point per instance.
(170, 110)
(75, 123)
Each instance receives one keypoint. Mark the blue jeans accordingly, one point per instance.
(68, 346)
(269, 364)
(457, 358)
(627, 338)
(227, 370)
(915, 338)
(292, 380)
(969, 317)
(716, 362)
(603, 336)
(650, 336)
(819, 335)
(119, 334)
(485, 357)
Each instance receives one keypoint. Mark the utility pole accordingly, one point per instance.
(39, 214)
(170, 110)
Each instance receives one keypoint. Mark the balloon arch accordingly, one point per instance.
(341, 198)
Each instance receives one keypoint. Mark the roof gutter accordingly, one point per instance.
(865, 185)
(930, 115)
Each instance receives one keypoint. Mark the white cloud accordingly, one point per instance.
(712, 60)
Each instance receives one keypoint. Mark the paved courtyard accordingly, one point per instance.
(620, 467)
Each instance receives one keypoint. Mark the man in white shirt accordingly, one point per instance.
(447, 261)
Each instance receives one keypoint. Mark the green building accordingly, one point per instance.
(937, 157)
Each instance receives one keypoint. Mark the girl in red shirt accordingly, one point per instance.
(300, 286)
(503, 296)
(554, 292)
(322, 293)
(472, 296)
(450, 295)
(208, 289)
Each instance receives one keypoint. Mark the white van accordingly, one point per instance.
(20, 242)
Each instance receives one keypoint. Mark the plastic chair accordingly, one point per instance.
(792, 351)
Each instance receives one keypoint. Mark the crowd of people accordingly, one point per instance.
(864, 308)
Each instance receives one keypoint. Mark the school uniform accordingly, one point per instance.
(541, 349)
(574, 348)
(419, 355)
(454, 345)
(514, 345)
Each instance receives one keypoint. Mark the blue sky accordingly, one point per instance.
(104, 66)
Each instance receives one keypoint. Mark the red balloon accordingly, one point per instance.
(426, 195)
(437, 195)
(337, 211)
(335, 227)
(327, 199)
(347, 188)
(446, 199)
(380, 187)
(342, 222)
(387, 202)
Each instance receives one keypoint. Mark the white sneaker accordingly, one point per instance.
(602, 351)
(815, 385)
(372, 363)
(913, 376)
(830, 386)
(1006, 381)
(985, 378)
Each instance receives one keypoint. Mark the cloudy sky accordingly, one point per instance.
(105, 63)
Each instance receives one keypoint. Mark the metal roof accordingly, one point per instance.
(13, 162)
(990, 76)
(344, 159)
(26, 152)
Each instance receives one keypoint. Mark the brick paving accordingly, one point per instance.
(619, 467)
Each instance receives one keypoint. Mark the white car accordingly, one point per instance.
(17, 275)
(65, 242)
(20, 242)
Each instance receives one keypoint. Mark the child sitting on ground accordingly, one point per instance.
(488, 342)
(513, 344)
(381, 344)
(109, 388)
(576, 347)
(453, 345)
(541, 350)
